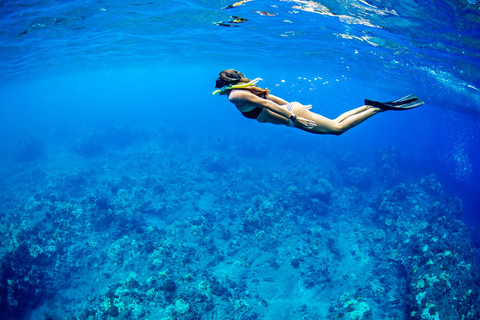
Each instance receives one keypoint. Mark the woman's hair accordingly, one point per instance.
(231, 76)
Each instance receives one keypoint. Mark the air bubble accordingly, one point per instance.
(461, 162)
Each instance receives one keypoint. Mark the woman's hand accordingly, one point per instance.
(306, 106)
(306, 123)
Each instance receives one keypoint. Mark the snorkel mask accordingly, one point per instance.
(236, 86)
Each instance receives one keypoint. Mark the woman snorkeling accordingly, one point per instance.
(257, 103)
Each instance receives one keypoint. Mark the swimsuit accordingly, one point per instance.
(290, 108)
(252, 114)
(255, 112)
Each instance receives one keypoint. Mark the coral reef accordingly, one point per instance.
(436, 254)
(153, 230)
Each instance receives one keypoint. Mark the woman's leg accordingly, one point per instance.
(337, 126)
(350, 113)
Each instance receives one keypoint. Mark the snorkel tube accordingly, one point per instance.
(237, 86)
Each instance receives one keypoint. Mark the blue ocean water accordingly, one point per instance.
(129, 191)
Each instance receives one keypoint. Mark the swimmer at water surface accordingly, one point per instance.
(257, 103)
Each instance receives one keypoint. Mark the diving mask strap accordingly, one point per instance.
(238, 86)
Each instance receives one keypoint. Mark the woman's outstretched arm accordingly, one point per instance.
(277, 100)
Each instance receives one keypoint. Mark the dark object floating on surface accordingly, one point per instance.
(223, 24)
(237, 19)
(233, 19)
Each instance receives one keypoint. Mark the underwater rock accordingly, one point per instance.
(295, 262)
(22, 283)
(361, 311)
(261, 214)
(320, 189)
(181, 307)
(89, 145)
(319, 208)
(72, 184)
(431, 185)
(168, 285)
